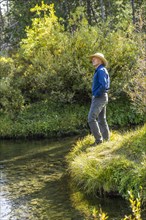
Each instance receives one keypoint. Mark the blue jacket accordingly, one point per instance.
(101, 81)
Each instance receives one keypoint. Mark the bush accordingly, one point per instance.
(122, 112)
(11, 99)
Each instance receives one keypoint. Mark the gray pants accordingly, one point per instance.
(97, 118)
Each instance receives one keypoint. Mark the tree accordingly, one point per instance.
(4, 8)
(102, 10)
(133, 11)
(1, 25)
(20, 17)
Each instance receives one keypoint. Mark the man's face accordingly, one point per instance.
(96, 61)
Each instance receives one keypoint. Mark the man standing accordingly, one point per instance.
(100, 86)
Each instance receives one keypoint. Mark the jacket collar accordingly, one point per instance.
(99, 67)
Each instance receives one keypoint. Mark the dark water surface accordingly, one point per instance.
(33, 185)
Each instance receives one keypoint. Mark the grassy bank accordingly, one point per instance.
(111, 168)
(49, 119)
(44, 119)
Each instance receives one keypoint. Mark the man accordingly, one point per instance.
(100, 86)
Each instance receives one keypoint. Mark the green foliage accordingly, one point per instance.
(114, 167)
(122, 112)
(41, 47)
(49, 119)
(44, 33)
(119, 13)
(44, 119)
(69, 77)
(11, 99)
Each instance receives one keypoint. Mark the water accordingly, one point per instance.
(33, 184)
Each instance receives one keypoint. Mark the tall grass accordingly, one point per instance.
(112, 167)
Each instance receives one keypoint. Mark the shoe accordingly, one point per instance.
(96, 143)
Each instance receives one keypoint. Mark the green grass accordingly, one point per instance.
(44, 120)
(48, 119)
(112, 167)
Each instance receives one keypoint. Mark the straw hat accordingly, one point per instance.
(100, 56)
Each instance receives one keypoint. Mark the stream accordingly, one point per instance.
(33, 185)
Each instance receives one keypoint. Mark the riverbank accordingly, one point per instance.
(111, 169)
(44, 120)
(47, 119)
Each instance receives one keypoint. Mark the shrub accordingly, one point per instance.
(11, 99)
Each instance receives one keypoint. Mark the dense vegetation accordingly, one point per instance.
(52, 66)
(19, 16)
(45, 120)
